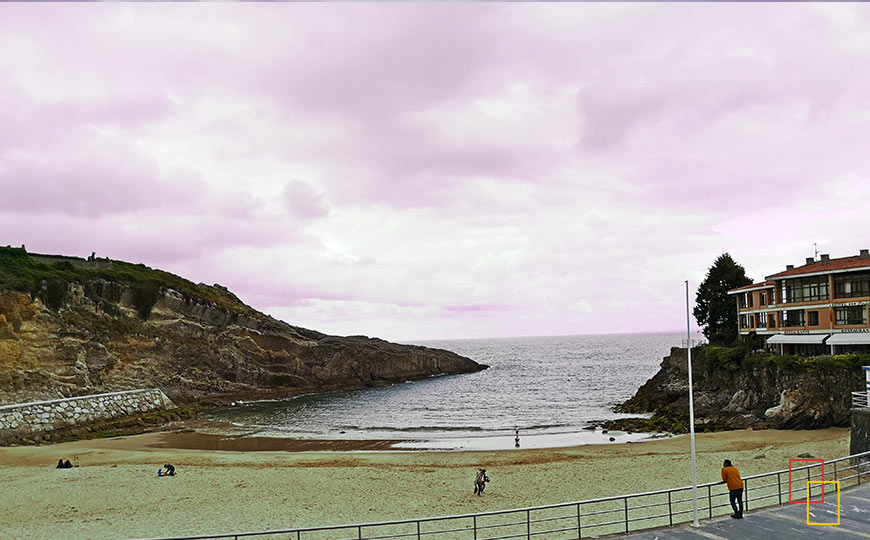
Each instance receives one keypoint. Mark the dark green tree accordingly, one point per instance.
(714, 310)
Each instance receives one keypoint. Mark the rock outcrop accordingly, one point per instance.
(749, 395)
(199, 344)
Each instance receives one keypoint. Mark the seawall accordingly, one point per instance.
(26, 421)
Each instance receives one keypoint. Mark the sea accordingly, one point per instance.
(550, 389)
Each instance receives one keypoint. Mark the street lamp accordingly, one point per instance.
(691, 416)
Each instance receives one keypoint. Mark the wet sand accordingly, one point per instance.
(269, 484)
(203, 441)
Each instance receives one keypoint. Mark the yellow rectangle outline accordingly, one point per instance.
(823, 488)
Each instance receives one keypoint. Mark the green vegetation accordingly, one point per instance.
(54, 292)
(734, 358)
(49, 282)
(714, 310)
(669, 422)
(145, 295)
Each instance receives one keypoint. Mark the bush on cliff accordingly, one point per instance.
(730, 358)
(54, 293)
(733, 358)
(145, 295)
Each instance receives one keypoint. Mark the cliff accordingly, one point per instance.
(71, 327)
(735, 391)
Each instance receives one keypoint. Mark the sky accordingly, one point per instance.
(423, 171)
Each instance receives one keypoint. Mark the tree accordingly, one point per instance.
(714, 310)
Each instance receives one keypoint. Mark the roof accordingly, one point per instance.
(798, 338)
(752, 287)
(821, 267)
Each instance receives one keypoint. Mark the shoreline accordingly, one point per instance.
(205, 436)
(115, 493)
(186, 440)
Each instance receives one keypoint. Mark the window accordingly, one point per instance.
(763, 298)
(852, 285)
(744, 321)
(805, 289)
(850, 315)
(749, 299)
(771, 320)
(813, 317)
(761, 319)
(793, 317)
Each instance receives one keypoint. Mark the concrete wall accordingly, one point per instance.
(23, 419)
(860, 441)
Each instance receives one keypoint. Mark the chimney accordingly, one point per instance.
(810, 260)
(826, 258)
(865, 253)
(789, 267)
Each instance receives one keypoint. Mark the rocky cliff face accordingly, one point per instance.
(760, 396)
(195, 350)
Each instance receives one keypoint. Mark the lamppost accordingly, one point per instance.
(691, 416)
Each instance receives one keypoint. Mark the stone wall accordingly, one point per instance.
(27, 419)
(103, 264)
(860, 440)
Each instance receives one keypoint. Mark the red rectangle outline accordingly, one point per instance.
(789, 480)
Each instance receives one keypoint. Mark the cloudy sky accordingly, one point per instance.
(416, 171)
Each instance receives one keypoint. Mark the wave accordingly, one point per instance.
(544, 426)
(417, 429)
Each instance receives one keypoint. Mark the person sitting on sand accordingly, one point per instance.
(480, 481)
(731, 476)
(170, 470)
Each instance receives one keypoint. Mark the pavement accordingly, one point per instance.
(787, 522)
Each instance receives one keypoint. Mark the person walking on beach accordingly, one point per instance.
(480, 481)
(517, 438)
(731, 476)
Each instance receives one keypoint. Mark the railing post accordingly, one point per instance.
(670, 510)
(528, 524)
(625, 500)
(779, 487)
(418, 530)
(298, 535)
(746, 495)
(809, 486)
(474, 526)
(710, 501)
(359, 532)
(579, 527)
(835, 470)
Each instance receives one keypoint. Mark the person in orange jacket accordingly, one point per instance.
(731, 476)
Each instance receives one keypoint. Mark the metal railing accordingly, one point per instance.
(861, 400)
(608, 515)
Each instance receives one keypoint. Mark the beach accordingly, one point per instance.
(273, 484)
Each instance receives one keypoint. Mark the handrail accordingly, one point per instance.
(860, 400)
(858, 461)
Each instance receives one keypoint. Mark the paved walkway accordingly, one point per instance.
(788, 522)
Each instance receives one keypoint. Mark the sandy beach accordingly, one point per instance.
(115, 493)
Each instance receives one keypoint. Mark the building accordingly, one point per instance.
(818, 308)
